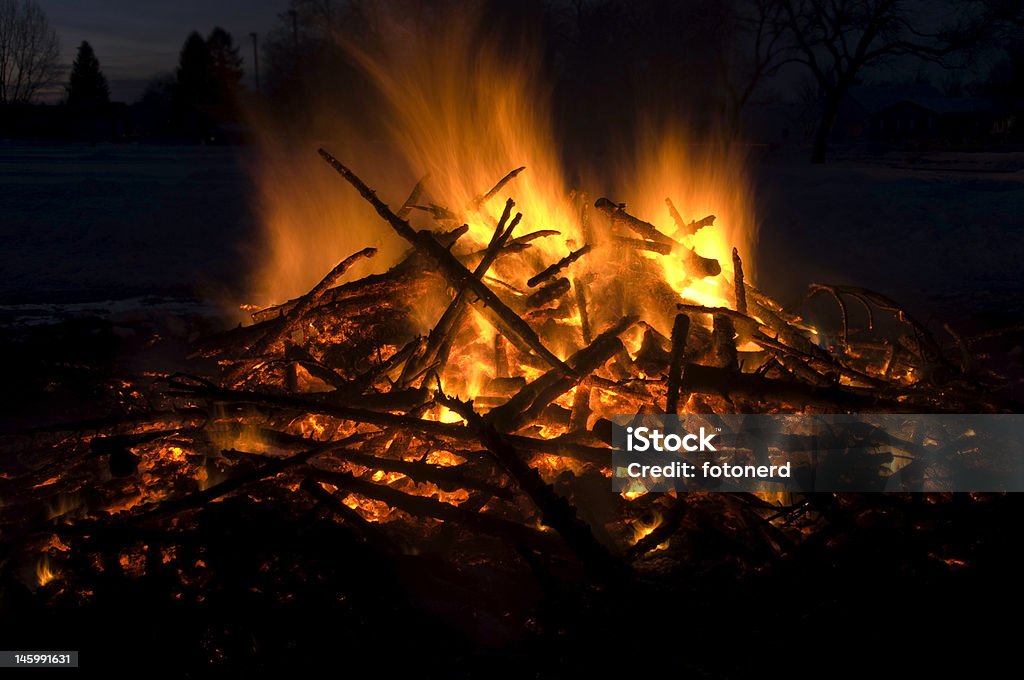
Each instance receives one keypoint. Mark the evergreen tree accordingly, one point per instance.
(87, 89)
(193, 93)
(225, 62)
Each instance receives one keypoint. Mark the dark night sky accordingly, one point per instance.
(137, 39)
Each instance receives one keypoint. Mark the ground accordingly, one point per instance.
(939, 232)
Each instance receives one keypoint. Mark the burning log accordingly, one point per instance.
(307, 303)
(640, 244)
(453, 270)
(448, 478)
(696, 265)
(557, 267)
(441, 336)
(723, 345)
(548, 293)
(581, 400)
(429, 507)
(535, 397)
(680, 331)
(556, 511)
(731, 384)
(652, 358)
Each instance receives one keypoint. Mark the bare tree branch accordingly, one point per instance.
(29, 51)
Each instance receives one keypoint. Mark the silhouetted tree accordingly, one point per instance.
(29, 51)
(208, 82)
(87, 88)
(837, 40)
(226, 74)
(194, 87)
(757, 50)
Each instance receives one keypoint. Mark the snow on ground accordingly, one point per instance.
(82, 223)
(943, 234)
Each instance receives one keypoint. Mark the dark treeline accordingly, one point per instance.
(709, 64)
(201, 101)
(706, 64)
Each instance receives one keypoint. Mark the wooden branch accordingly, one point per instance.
(178, 386)
(421, 506)
(548, 293)
(696, 265)
(740, 290)
(640, 244)
(680, 332)
(527, 404)
(481, 200)
(581, 305)
(307, 303)
(414, 197)
(557, 267)
(369, 532)
(453, 270)
(448, 478)
(795, 395)
(556, 511)
(684, 228)
(451, 320)
(723, 344)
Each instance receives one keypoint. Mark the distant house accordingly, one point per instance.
(920, 115)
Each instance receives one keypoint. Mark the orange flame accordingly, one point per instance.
(45, 573)
(465, 113)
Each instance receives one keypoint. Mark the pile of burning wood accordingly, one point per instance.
(495, 423)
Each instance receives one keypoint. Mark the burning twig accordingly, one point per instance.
(447, 326)
(687, 229)
(532, 399)
(741, 291)
(307, 302)
(696, 265)
(557, 267)
(640, 244)
(481, 200)
(414, 197)
(453, 270)
(448, 478)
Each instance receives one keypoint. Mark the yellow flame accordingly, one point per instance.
(466, 113)
(45, 573)
(643, 528)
